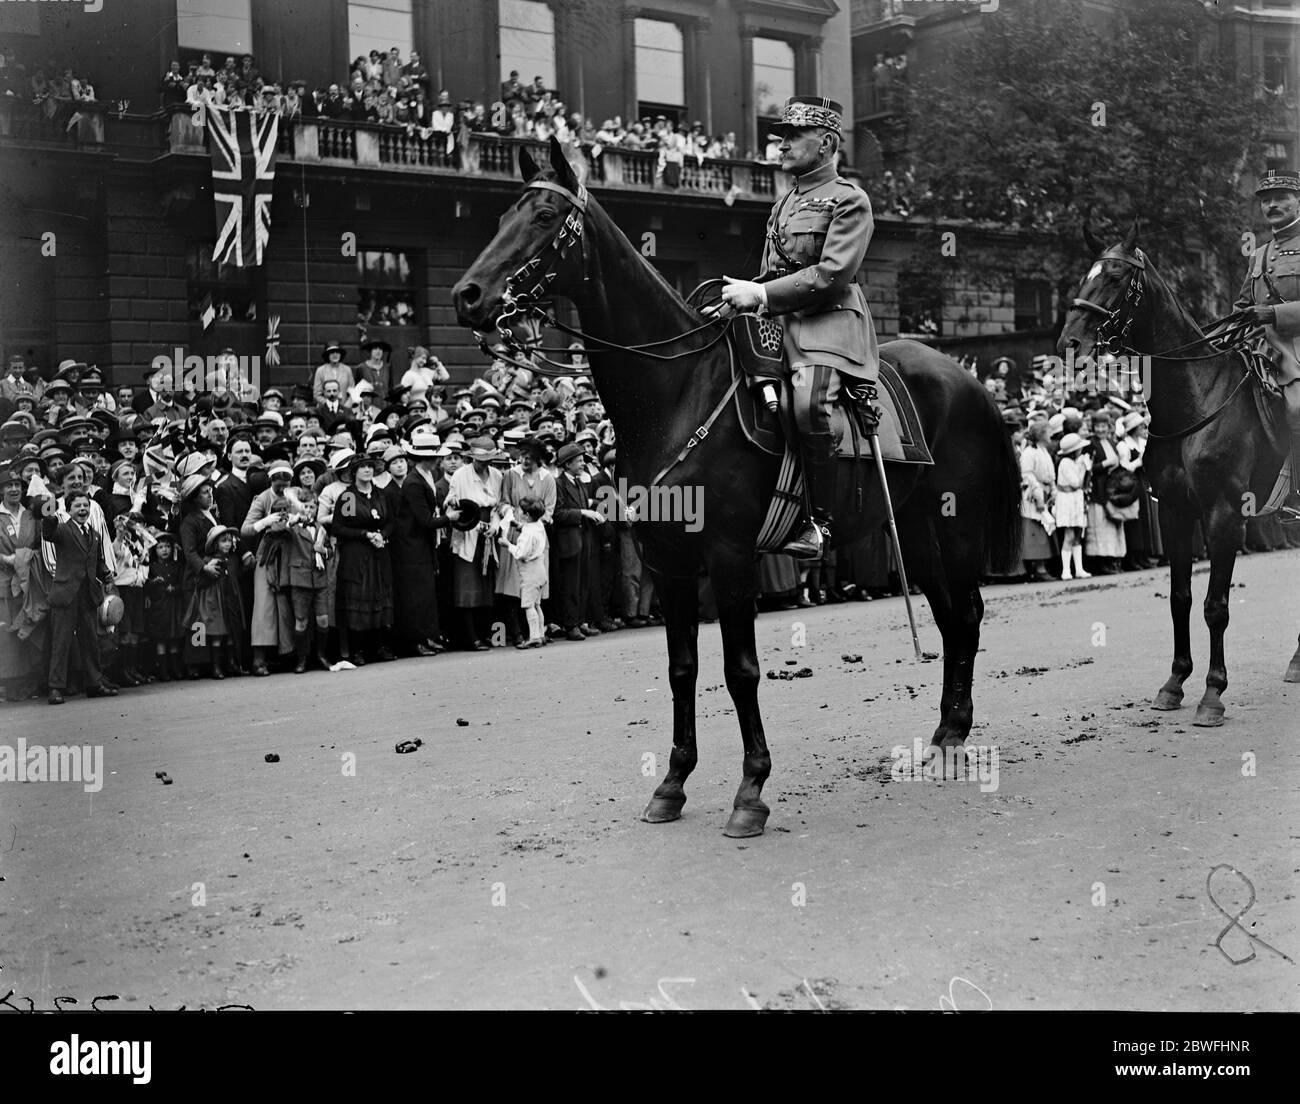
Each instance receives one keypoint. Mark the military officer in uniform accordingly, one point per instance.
(1271, 294)
(817, 237)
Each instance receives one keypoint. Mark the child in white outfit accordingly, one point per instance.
(530, 550)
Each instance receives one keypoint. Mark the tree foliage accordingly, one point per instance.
(1037, 117)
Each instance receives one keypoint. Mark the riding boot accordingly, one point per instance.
(819, 484)
(1289, 512)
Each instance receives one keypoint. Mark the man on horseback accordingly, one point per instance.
(817, 236)
(1271, 294)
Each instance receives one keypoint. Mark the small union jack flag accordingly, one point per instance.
(243, 146)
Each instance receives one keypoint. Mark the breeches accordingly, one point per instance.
(1291, 392)
(816, 390)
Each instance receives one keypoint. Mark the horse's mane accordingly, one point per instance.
(656, 277)
(1183, 313)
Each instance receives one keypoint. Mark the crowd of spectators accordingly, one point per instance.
(384, 89)
(54, 88)
(357, 517)
(1086, 506)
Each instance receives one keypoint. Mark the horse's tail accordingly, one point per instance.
(1003, 530)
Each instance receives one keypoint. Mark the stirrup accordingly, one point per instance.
(809, 543)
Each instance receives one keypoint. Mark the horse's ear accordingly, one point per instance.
(1089, 238)
(1131, 238)
(528, 168)
(564, 173)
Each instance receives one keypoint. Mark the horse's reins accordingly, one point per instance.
(1234, 328)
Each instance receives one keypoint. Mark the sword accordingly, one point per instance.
(893, 536)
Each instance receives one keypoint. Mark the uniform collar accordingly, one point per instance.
(823, 174)
(1288, 233)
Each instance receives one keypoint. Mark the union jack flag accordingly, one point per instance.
(243, 146)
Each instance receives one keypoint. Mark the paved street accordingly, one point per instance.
(503, 864)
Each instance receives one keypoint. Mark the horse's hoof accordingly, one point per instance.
(1208, 716)
(661, 810)
(744, 823)
(1166, 699)
(1292, 672)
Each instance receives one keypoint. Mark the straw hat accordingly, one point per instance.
(1071, 443)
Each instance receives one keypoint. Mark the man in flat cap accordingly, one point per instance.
(817, 237)
(1272, 295)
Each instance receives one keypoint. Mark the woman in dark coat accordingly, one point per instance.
(197, 521)
(415, 545)
(363, 525)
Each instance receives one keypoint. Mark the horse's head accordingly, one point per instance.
(1110, 299)
(538, 251)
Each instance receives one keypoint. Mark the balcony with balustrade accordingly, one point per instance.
(334, 143)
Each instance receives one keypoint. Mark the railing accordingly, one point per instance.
(66, 122)
(343, 142)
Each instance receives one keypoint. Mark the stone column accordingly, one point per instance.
(808, 77)
(695, 60)
(629, 14)
(749, 126)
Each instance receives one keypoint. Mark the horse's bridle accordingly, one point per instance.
(520, 298)
(1126, 304)
(1234, 327)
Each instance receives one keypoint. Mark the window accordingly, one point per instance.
(386, 288)
(527, 41)
(379, 25)
(1277, 64)
(225, 25)
(920, 304)
(225, 292)
(660, 69)
(773, 78)
(1033, 304)
(1277, 157)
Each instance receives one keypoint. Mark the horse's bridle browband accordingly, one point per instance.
(1131, 299)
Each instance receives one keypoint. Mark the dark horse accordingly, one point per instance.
(954, 517)
(1209, 456)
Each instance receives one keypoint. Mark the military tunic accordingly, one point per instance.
(817, 237)
(1274, 280)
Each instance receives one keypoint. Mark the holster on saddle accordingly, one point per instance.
(759, 342)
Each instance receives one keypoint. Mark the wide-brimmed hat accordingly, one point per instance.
(426, 445)
(568, 452)
(70, 369)
(341, 459)
(482, 448)
(57, 384)
(17, 426)
(216, 534)
(315, 463)
(190, 484)
(279, 467)
(1071, 443)
(272, 418)
(194, 463)
(325, 352)
(374, 343)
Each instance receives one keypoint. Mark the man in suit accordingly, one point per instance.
(1271, 294)
(571, 518)
(333, 405)
(74, 595)
(817, 237)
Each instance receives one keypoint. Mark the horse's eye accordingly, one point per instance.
(546, 214)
